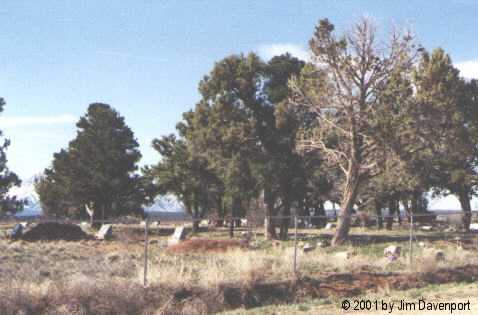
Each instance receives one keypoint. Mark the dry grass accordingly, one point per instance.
(94, 277)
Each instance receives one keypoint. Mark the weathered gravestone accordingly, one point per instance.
(392, 252)
(308, 247)
(178, 235)
(105, 232)
(330, 226)
(474, 227)
(17, 231)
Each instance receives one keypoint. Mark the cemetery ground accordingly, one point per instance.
(211, 274)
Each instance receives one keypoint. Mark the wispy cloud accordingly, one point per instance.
(124, 55)
(13, 121)
(468, 69)
(271, 50)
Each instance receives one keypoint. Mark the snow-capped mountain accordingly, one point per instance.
(27, 192)
(167, 203)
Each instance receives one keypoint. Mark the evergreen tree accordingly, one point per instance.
(8, 179)
(98, 170)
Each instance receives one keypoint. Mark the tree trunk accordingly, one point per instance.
(235, 205)
(285, 221)
(378, 211)
(195, 215)
(270, 228)
(348, 200)
(391, 213)
(464, 198)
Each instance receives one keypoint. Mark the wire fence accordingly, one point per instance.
(413, 228)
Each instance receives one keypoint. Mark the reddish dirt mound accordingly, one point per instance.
(206, 245)
(55, 231)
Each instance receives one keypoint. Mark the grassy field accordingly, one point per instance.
(105, 277)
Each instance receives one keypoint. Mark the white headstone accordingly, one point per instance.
(392, 250)
(474, 227)
(426, 228)
(105, 232)
(178, 235)
(330, 226)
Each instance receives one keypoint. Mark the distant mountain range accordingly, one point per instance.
(26, 191)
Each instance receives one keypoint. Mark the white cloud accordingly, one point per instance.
(269, 51)
(13, 121)
(468, 69)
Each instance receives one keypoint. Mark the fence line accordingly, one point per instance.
(251, 228)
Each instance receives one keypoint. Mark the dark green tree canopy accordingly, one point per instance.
(8, 179)
(97, 169)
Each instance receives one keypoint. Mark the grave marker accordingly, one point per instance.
(105, 232)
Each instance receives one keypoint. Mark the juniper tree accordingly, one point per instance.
(8, 179)
(98, 169)
(343, 91)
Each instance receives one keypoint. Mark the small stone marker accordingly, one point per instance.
(330, 226)
(426, 228)
(154, 224)
(442, 218)
(17, 231)
(308, 247)
(322, 244)
(344, 255)
(178, 235)
(105, 232)
(392, 252)
(435, 254)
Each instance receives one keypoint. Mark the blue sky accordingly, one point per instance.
(145, 58)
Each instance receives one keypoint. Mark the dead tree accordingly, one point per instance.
(343, 90)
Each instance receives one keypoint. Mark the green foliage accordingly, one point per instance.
(8, 179)
(97, 169)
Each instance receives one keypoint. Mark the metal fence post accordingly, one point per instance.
(295, 244)
(146, 244)
(411, 239)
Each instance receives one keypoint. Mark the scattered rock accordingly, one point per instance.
(442, 218)
(392, 251)
(421, 244)
(308, 247)
(426, 228)
(276, 243)
(113, 258)
(435, 254)
(154, 224)
(105, 232)
(323, 244)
